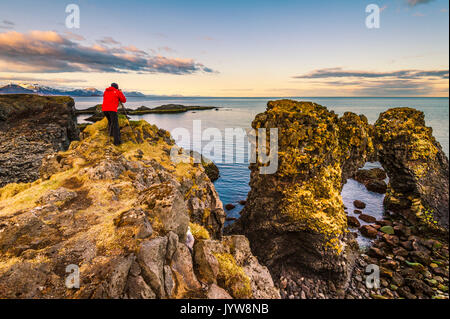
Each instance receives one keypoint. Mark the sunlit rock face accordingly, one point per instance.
(121, 215)
(416, 165)
(295, 218)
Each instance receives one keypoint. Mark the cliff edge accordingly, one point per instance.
(120, 215)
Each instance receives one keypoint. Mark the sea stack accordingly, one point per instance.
(295, 218)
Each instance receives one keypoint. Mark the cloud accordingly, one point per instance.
(368, 83)
(166, 49)
(132, 48)
(48, 51)
(108, 41)
(413, 3)
(37, 79)
(403, 74)
(73, 36)
(160, 35)
(6, 24)
(394, 88)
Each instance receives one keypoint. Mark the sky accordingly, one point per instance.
(230, 48)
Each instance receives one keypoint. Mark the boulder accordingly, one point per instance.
(231, 265)
(377, 186)
(387, 230)
(229, 206)
(151, 258)
(353, 222)
(359, 204)
(367, 218)
(215, 292)
(368, 231)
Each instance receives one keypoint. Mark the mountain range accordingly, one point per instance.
(45, 90)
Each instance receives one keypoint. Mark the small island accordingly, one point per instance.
(97, 114)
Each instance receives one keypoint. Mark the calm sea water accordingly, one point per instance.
(232, 186)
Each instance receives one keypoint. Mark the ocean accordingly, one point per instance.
(232, 185)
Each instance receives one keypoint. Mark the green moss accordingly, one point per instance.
(232, 278)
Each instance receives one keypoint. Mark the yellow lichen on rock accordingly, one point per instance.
(416, 165)
(83, 192)
(317, 204)
(232, 277)
(307, 135)
(198, 231)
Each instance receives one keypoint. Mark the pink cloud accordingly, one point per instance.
(48, 51)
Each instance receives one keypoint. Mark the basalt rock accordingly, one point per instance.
(295, 218)
(210, 167)
(416, 165)
(32, 127)
(120, 217)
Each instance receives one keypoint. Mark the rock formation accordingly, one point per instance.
(295, 218)
(416, 165)
(355, 143)
(32, 127)
(121, 214)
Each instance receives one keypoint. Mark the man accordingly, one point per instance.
(111, 99)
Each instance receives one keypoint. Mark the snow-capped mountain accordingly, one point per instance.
(26, 88)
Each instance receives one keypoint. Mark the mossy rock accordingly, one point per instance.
(387, 230)
(232, 277)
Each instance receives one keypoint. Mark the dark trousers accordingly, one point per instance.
(113, 126)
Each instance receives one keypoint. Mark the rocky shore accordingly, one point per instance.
(135, 224)
(297, 224)
(138, 225)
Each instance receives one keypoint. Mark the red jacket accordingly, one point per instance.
(111, 99)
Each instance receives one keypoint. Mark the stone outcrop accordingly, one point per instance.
(295, 218)
(230, 264)
(355, 143)
(121, 215)
(32, 127)
(416, 165)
